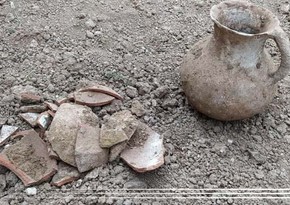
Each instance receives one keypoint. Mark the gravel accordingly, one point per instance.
(136, 48)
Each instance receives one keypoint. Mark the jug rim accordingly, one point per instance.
(274, 20)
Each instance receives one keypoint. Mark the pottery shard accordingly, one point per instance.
(102, 89)
(64, 127)
(6, 132)
(64, 175)
(28, 97)
(33, 108)
(53, 107)
(29, 160)
(118, 128)
(44, 120)
(90, 98)
(24, 133)
(30, 118)
(145, 151)
(116, 150)
(88, 153)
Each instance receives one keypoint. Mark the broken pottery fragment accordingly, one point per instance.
(6, 132)
(30, 118)
(88, 153)
(51, 106)
(33, 108)
(44, 120)
(145, 150)
(51, 113)
(102, 89)
(64, 128)
(65, 174)
(92, 98)
(116, 150)
(68, 99)
(28, 97)
(118, 128)
(29, 160)
(24, 133)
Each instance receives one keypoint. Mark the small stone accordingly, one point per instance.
(261, 159)
(31, 191)
(93, 174)
(284, 8)
(51, 106)
(33, 43)
(90, 98)
(135, 184)
(102, 89)
(64, 128)
(282, 128)
(88, 153)
(3, 121)
(29, 160)
(33, 108)
(161, 91)
(287, 138)
(29, 98)
(43, 120)
(65, 174)
(170, 103)
(118, 128)
(220, 149)
(6, 132)
(11, 179)
(131, 92)
(257, 138)
(90, 34)
(2, 183)
(51, 88)
(90, 24)
(145, 151)
(143, 88)
(259, 174)
(137, 108)
(30, 118)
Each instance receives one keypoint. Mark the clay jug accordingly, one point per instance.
(229, 75)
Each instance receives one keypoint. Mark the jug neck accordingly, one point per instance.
(222, 34)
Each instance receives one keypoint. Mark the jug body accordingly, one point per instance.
(230, 75)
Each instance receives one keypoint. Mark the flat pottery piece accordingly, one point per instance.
(29, 160)
(33, 108)
(24, 133)
(44, 120)
(64, 128)
(88, 153)
(28, 97)
(102, 89)
(118, 128)
(30, 118)
(51, 106)
(116, 150)
(145, 150)
(90, 98)
(6, 132)
(65, 174)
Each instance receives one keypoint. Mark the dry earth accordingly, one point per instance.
(136, 47)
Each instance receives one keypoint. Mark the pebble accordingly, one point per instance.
(51, 88)
(137, 108)
(135, 184)
(170, 103)
(90, 23)
(161, 91)
(259, 174)
(2, 182)
(132, 92)
(31, 191)
(11, 179)
(89, 34)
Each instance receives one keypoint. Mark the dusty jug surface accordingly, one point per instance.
(229, 75)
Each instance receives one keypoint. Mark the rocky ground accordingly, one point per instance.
(136, 48)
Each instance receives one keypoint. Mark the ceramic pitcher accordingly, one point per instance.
(230, 75)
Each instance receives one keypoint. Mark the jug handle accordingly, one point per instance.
(282, 40)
